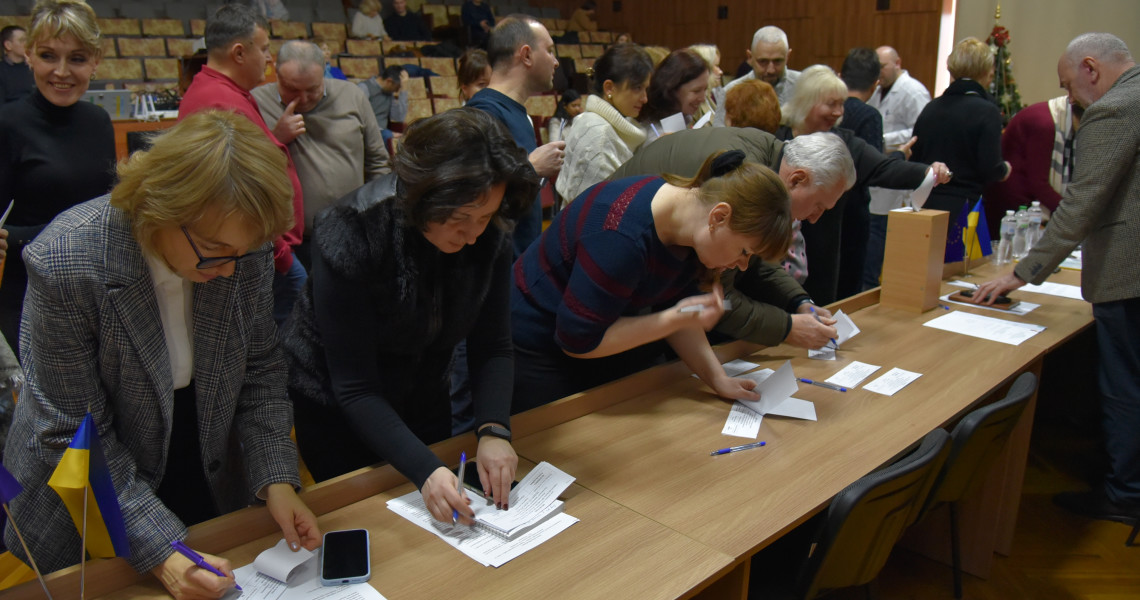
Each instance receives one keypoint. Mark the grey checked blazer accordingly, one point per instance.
(91, 336)
(1101, 206)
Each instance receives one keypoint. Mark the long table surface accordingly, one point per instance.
(660, 518)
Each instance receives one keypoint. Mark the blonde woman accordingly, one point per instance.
(367, 24)
(607, 134)
(151, 308)
(962, 128)
(715, 95)
(55, 151)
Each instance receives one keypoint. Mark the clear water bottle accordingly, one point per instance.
(1036, 217)
(1021, 234)
(1005, 246)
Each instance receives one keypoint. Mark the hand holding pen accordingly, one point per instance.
(834, 344)
(172, 577)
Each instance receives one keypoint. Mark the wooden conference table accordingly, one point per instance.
(660, 518)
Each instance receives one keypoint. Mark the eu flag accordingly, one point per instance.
(9, 487)
(971, 230)
(82, 472)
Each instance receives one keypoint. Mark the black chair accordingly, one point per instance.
(978, 440)
(866, 519)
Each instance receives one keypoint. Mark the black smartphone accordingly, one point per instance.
(471, 478)
(345, 557)
(1000, 299)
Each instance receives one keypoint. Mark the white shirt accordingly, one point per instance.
(900, 109)
(175, 297)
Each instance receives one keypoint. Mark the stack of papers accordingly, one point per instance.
(535, 515)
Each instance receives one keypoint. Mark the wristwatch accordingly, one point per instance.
(494, 431)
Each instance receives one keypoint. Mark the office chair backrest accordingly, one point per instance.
(977, 442)
(866, 519)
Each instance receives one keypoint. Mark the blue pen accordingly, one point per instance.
(823, 384)
(736, 448)
(812, 309)
(197, 559)
(459, 486)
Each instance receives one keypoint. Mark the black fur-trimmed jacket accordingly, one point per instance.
(374, 329)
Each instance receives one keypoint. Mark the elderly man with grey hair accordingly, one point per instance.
(768, 304)
(328, 126)
(768, 58)
(1101, 210)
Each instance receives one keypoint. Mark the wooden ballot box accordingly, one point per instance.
(912, 259)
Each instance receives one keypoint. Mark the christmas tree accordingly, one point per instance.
(1004, 87)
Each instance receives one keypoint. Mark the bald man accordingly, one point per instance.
(1101, 210)
(899, 98)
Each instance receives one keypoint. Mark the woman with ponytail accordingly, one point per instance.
(623, 267)
(607, 134)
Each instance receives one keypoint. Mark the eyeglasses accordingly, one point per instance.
(217, 261)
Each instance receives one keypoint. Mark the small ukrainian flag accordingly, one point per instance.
(82, 471)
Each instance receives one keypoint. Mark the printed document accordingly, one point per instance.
(987, 328)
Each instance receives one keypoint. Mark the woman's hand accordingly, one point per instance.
(734, 388)
(441, 497)
(704, 310)
(187, 581)
(810, 332)
(497, 465)
(295, 519)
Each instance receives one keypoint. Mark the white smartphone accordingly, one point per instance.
(345, 557)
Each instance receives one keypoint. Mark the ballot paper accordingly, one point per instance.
(986, 328)
(479, 544)
(703, 120)
(673, 123)
(1021, 308)
(892, 381)
(852, 374)
(776, 389)
(279, 562)
(304, 583)
(845, 329)
(500, 535)
(742, 422)
(922, 192)
(1054, 289)
(733, 368)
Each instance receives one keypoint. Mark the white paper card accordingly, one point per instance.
(530, 501)
(772, 387)
(825, 353)
(845, 327)
(795, 408)
(892, 381)
(673, 123)
(986, 328)
(703, 120)
(734, 368)
(921, 193)
(742, 422)
(852, 374)
(1021, 308)
(279, 562)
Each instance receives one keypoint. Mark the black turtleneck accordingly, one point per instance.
(51, 158)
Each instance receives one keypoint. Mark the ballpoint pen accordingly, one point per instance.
(459, 486)
(736, 448)
(197, 559)
(823, 384)
(812, 309)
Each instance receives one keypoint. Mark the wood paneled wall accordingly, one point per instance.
(819, 31)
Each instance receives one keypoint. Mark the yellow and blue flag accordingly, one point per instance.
(82, 473)
(971, 230)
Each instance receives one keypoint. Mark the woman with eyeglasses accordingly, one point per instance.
(151, 308)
